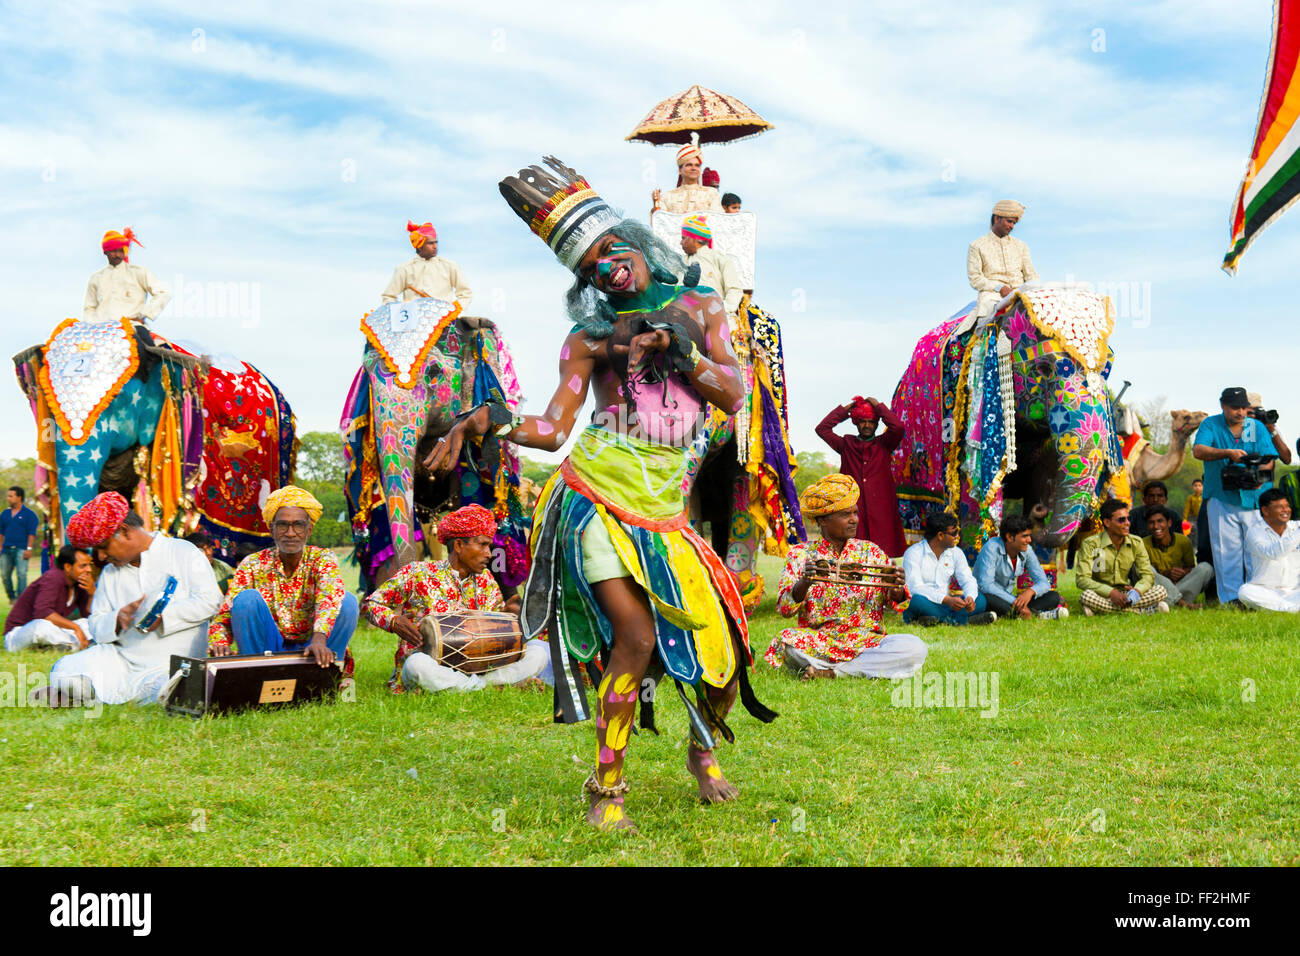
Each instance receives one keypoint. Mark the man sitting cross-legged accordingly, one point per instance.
(930, 566)
(840, 632)
(41, 615)
(124, 663)
(459, 582)
(1274, 548)
(290, 597)
(1105, 561)
(999, 566)
(1173, 559)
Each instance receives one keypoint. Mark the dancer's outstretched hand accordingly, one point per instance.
(446, 453)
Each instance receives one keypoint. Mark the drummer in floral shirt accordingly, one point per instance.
(459, 582)
(290, 597)
(840, 632)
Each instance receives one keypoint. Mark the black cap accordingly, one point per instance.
(1234, 397)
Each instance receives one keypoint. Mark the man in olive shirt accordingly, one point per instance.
(1104, 564)
(1173, 559)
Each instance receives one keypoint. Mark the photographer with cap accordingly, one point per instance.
(1233, 445)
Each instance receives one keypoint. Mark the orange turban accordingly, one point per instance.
(120, 240)
(418, 234)
(467, 522)
(97, 521)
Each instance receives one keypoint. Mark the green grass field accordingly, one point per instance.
(1134, 740)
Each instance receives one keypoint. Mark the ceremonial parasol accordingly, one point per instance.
(716, 117)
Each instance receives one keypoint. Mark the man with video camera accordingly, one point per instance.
(1238, 447)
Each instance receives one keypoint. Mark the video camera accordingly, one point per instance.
(1265, 416)
(1245, 475)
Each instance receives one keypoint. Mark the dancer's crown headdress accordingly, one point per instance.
(560, 207)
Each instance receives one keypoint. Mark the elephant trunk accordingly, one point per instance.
(1081, 457)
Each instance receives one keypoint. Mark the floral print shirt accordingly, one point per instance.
(302, 605)
(423, 588)
(837, 622)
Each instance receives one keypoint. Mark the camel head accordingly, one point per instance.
(1185, 422)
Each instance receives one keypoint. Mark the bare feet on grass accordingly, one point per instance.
(607, 813)
(703, 766)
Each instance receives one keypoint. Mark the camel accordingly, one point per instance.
(1148, 465)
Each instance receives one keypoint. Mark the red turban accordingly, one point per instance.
(710, 178)
(467, 522)
(120, 240)
(96, 522)
(862, 410)
(418, 234)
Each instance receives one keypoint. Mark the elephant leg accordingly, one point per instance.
(398, 415)
(741, 554)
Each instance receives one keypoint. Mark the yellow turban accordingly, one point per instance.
(291, 496)
(1008, 208)
(833, 493)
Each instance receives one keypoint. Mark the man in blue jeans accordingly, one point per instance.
(930, 566)
(19, 525)
(998, 569)
(290, 597)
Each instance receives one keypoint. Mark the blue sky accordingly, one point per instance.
(284, 147)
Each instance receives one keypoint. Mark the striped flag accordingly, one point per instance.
(1272, 180)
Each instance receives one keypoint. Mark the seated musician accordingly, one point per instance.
(122, 662)
(460, 582)
(840, 632)
(290, 597)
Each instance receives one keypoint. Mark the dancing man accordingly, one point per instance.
(840, 633)
(459, 582)
(616, 566)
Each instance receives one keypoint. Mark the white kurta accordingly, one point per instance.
(719, 272)
(436, 278)
(691, 199)
(123, 290)
(131, 666)
(1274, 583)
(991, 263)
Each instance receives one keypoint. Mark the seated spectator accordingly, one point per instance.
(1274, 548)
(43, 614)
(730, 202)
(1106, 563)
(1001, 563)
(1173, 560)
(203, 541)
(1192, 509)
(1155, 497)
(290, 597)
(840, 632)
(930, 566)
(460, 582)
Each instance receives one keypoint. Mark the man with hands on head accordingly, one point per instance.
(864, 457)
(290, 597)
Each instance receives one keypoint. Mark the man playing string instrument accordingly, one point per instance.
(840, 632)
(616, 567)
(459, 582)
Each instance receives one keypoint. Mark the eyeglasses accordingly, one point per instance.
(284, 527)
(1122, 520)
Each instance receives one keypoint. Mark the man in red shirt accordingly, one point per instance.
(40, 616)
(864, 457)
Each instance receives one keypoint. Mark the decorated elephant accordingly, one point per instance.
(190, 442)
(424, 364)
(1015, 406)
(740, 469)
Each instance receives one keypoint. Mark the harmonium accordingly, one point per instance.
(215, 685)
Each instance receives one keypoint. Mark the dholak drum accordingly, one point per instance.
(473, 642)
